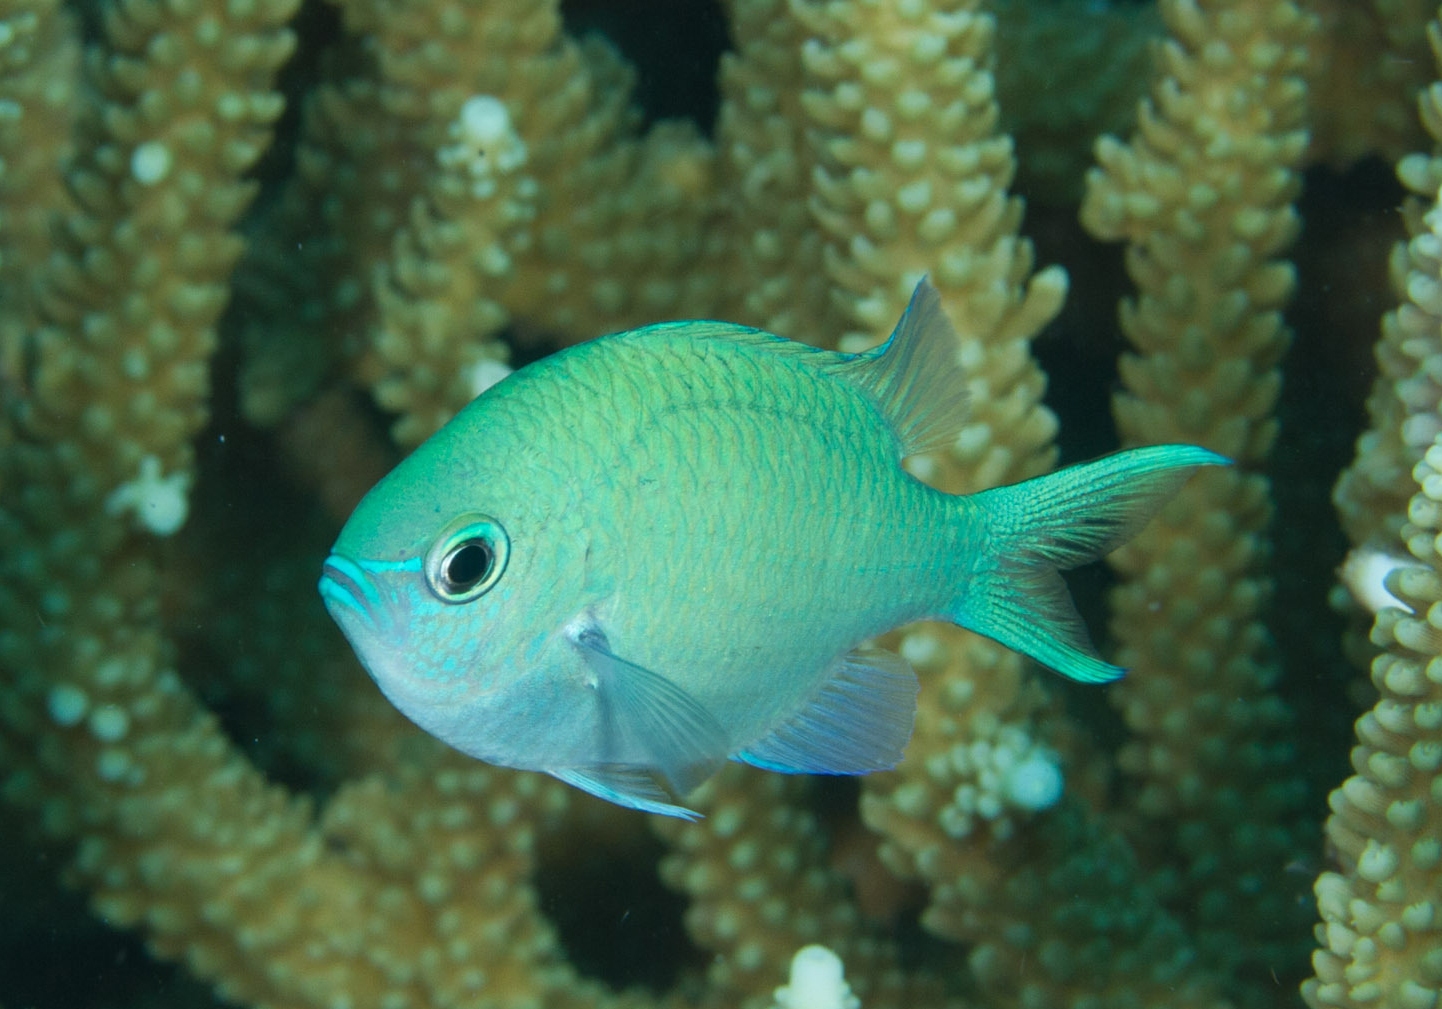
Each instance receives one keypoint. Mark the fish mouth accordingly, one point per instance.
(346, 590)
(373, 614)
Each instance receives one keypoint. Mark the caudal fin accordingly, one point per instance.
(1036, 528)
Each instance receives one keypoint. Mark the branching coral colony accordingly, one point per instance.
(467, 176)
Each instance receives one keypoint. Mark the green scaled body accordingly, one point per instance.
(666, 548)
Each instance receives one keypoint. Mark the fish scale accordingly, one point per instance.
(630, 562)
(847, 523)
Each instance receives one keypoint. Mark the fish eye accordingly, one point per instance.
(467, 558)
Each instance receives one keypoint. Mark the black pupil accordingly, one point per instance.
(468, 565)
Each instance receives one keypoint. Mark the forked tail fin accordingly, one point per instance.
(1034, 529)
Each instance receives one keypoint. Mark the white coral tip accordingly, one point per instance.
(817, 982)
(1033, 783)
(485, 373)
(1365, 572)
(160, 503)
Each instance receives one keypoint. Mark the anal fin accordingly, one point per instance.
(859, 721)
(631, 787)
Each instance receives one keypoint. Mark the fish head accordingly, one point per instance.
(438, 583)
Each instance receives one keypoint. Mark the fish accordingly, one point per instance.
(648, 554)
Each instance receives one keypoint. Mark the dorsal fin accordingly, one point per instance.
(914, 376)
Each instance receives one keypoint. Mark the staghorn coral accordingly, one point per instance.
(1204, 195)
(1378, 935)
(470, 180)
(1373, 493)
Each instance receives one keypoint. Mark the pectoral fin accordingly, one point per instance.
(643, 711)
(859, 721)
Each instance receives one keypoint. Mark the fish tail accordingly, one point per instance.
(1035, 529)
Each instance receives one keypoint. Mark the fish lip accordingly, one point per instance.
(345, 586)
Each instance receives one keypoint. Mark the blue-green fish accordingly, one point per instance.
(667, 548)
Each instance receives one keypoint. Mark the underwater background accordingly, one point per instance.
(252, 251)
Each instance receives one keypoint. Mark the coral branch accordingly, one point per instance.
(1204, 194)
(471, 184)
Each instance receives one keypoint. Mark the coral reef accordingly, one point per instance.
(253, 250)
(1379, 939)
(1204, 196)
